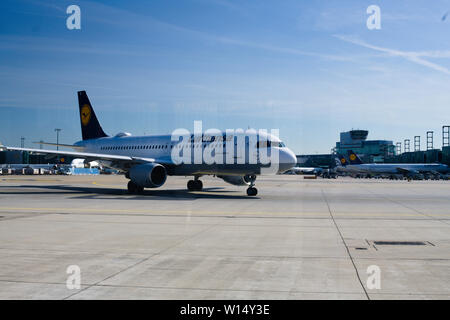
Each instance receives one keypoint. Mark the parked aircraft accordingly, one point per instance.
(408, 170)
(305, 170)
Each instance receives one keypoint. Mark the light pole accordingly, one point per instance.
(57, 138)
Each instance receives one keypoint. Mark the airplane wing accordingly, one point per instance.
(405, 171)
(59, 145)
(120, 160)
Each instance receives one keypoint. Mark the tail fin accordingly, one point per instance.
(353, 157)
(341, 161)
(90, 127)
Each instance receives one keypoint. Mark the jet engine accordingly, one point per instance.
(239, 180)
(150, 175)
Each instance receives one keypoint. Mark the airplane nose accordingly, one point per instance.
(288, 160)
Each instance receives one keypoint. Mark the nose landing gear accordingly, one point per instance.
(251, 190)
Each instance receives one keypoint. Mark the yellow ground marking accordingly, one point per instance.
(30, 179)
(274, 214)
(104, 185)
(206, 192)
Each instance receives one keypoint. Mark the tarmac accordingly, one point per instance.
(298, 239)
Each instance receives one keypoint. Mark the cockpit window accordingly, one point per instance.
(268, 144)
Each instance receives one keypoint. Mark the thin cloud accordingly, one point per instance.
(47, 5)
(433, 54)
(137, 21)
(415, 57)
(222, 3)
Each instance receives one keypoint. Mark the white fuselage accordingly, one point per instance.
(305, 170)
(394, 168)
(161, 148)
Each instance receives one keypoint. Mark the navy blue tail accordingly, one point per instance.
(90, 127)
(353, 157)
(341, 161)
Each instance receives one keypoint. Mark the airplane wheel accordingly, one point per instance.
(132, 187)
(198, 185)
(191, 185)
(140, 190)
(252, 191)
(195, 185)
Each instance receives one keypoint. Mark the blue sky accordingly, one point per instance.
(309, 68)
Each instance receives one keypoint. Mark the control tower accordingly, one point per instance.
(369, 150)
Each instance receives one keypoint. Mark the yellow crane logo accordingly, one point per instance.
(85, 114)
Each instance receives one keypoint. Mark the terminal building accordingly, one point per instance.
(316, 160)
(24, 157)
(368, 150)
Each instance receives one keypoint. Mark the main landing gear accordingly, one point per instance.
(134, 188)
(195, 185)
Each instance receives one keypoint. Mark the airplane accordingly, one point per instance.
(409, 170)
(147, 160)
(342, 166)
(305, 170)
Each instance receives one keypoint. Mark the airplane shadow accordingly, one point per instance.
(122, 194)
